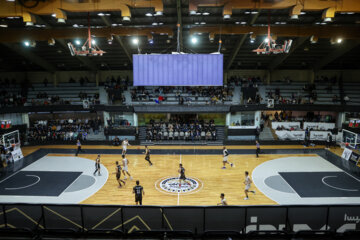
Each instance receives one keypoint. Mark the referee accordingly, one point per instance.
(139, 192)
(257, 148)
(78, 144)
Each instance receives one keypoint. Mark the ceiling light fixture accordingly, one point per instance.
(294, 17)
(53, 15)
(61, 20)
(93, 41)
(127, 19)
(75, 25)
(101, 14)
(227, 16)
(77, 42)
(302, 13)
(206, 13)
(327, 19)
(159, 13)
(154, 24)
(149, 14)
(135, 41)
(203, 23)
(339, 40)
(254, 12)
(29, 24)
(27, 43)
(192, 12)
(194, 40)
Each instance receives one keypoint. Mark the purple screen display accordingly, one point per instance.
(178, 70)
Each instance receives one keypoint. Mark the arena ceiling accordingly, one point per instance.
(208, 24)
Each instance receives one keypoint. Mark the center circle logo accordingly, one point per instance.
(172, 185)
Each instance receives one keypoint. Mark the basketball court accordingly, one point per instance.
(281, 175)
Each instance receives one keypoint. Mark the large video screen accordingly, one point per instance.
(178, 70)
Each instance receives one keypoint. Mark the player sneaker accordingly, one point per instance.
(246, 198)
(232, 165)
(223, 168)
(125, 178)
(131, 178)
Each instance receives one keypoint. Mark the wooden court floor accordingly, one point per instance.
(205, 168)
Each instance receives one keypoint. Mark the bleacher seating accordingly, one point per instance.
(352, 90)
(67, 92)
(323, 93)
(150, 95)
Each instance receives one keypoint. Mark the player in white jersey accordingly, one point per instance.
(225, 158)
(125, 168)
(247, 183)
(125, 144)
(223, 201)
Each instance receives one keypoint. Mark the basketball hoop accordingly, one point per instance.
(269, 46)
(89, 48)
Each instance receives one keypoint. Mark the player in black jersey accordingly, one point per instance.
(147, 155)
(182, 174)
(97, 165)
(118, 174)
(139, 192)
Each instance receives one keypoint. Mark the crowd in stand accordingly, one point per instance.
(180, 130)
(62, 130)
(115, 88)
(286, 116)
(184, 95)
(244, 81)
(11, 99)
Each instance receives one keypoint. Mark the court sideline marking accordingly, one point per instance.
(178, 198)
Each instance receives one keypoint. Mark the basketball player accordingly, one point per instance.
(125, 168)
(118, 174)
(147, 155)
(223, 200)
(125, 144)
(139, 192)
(225, 159)
(257, 148)
(97, 165)
(247, 183)
(78, 144)
(182, 177)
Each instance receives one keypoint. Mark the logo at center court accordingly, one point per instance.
(172, 185)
